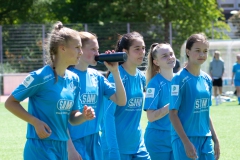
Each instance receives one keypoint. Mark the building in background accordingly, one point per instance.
(229, 6)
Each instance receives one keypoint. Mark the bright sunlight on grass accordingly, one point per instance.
(226, 119)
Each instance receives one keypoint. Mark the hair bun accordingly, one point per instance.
(58, 25)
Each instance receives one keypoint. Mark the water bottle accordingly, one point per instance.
(114, 57)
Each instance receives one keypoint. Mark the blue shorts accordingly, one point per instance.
(161, 155)
(158, 143)
(203, 147)
(36, 149)
(109, 153)
(137, 156)
(89, 147)
(141, 154)
(236, 83)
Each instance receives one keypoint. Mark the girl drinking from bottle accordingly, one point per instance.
(122, 135)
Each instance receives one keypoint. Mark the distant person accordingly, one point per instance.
(236, 77)
(177, 66)
(193, 133)
(53, 93)
(161, 60)
(216, 70)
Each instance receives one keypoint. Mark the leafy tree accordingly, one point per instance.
(186, 16)
(155, 16)
(11, 10)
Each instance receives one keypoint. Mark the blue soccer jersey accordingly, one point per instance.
(191, 96)
(236, 70)
(157, 96)
(49, 101)
(93, 88)
(158, 133)
(127, 118)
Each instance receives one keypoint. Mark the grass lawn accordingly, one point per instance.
(226, 119)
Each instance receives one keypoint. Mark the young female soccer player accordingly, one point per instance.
(190, 103)
(53, 98)
(122, 135)
(161, 61)
(93, 88)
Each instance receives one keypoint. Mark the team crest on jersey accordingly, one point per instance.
(28, 80)
(64, 104)
(88, 98)
(150, 92)
(174, 90)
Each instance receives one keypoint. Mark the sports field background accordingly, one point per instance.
(226, 119)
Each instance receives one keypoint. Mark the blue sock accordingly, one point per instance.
(238, 99)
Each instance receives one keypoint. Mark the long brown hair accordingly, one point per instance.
(125, 42)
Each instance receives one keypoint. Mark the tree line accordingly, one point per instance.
(184, 16)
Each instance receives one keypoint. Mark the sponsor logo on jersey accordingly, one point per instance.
(64, 104)
(174, 90)
(150, 92)
(88, 98)
(201, 105)
(135, 102)
(28, 80)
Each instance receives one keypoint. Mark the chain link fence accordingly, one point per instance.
(21, 46)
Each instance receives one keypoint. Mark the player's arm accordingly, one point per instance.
(76, 117)
(189, 147)
(215, 140)
(120, 95)
(154, 115)
(14, 106)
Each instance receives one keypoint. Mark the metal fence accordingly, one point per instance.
(21, 46)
